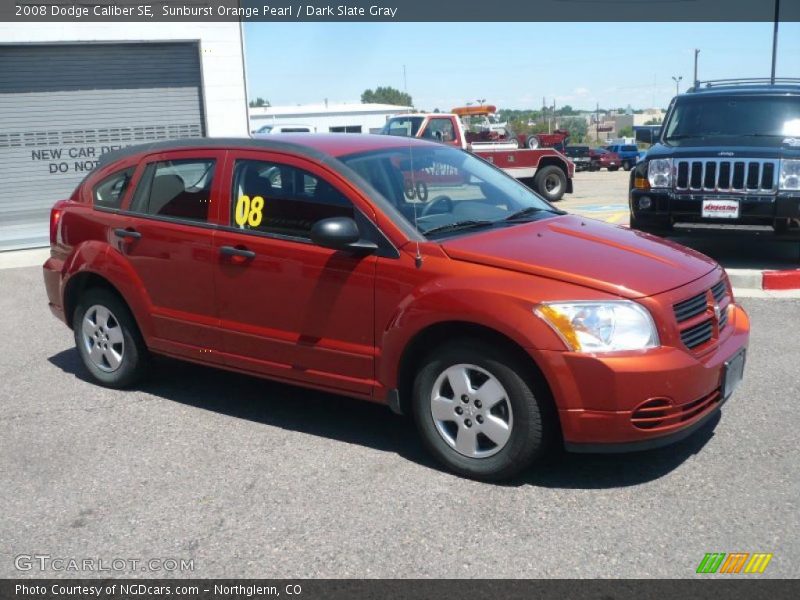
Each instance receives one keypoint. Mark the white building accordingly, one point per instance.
(328, 117)
(72, 91)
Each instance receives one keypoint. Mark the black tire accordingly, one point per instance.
(135, 357)
(528, 438)
(612, 169)
(626, 164)
(532, 142)
(544, 177)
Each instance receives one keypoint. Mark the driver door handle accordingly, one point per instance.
(236, 251)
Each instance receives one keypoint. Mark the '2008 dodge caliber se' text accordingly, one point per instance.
(401, 272)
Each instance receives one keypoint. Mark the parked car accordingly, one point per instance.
(402, 272)
(580, 155)
(728, 154)
(628, 154)
(282, 128)
(604, 159)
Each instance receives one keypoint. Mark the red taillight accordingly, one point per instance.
(55, 218)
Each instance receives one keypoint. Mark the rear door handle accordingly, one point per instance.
(127, 233)
(234, 251)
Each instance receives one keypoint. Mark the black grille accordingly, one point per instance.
(697, 335)
(726, 175)
(719, 291)
(689, 308)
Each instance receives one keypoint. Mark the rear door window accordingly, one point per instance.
(179, 189)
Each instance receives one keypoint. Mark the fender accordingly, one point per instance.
(104, 261)
(456, 300)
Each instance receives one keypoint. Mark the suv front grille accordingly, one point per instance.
(697, 322)
(740, 176)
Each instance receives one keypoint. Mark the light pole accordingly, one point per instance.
(480, 101)
(677, 81)
(696, 52)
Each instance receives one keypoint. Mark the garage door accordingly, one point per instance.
(62, 106)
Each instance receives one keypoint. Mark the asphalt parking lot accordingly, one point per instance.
(248, 478)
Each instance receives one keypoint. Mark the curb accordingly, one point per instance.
(756, 279)
(781, 280)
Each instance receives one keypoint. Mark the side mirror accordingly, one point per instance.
(340, 233)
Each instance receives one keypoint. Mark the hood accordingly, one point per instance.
(586, 252)
(730, 147)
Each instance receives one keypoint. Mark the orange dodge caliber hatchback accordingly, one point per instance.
(401, 272)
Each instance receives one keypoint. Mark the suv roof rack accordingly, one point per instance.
(752, 81)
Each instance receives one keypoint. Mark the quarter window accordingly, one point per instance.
(110, 192)
(180, 189)
(281, 199)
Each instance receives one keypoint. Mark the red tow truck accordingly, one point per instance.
(545, 170)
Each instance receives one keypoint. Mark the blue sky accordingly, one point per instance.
(511, 65)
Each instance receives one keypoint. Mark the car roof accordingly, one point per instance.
(314, 145)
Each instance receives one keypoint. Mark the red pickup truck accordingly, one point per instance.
(544, 170)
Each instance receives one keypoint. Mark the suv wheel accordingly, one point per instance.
(108, 339)
(550, 182)
(477, 415)
(626, 164)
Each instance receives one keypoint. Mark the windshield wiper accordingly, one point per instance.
(529, 211)
(467, 224)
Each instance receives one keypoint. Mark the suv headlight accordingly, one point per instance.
(589, 326)
(659, 172)
(790, 175)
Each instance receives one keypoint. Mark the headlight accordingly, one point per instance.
(659, 172)
(790, 174)
(600, 326)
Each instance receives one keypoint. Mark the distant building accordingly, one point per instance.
(328, 117)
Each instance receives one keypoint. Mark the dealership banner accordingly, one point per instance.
(642, 11)
(411, 589)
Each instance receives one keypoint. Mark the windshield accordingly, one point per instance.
(712, 116)
(403, 126)
(442, 189)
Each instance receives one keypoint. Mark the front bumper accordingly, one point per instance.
(600, 398)
(669, 207)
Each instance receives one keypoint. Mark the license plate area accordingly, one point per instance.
(720, 208)
(733, 373)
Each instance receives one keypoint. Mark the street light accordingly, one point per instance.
(481, 101)
(677, 81)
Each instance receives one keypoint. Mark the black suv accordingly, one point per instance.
(727, 154)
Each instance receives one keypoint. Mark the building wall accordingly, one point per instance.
(324, 118)
(222, 62)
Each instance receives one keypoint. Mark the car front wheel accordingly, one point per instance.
(108, 339)
(477, 413)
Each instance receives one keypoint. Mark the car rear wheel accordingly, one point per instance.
(613, 168)
(550, 182)
(476, 412)
(627, 165)
(108, 339)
